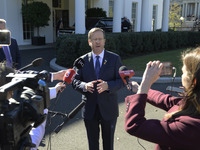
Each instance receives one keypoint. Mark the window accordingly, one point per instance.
(28, 30)
(111, 6)
(57, 3)
(134, 16)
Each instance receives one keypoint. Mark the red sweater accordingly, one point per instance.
(182, 133)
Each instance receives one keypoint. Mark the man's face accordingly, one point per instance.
(2, 26)
(97, 42)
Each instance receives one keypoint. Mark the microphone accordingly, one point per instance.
(126, 74)
(70, 73)
(69, 76)
(34, 63)
(78, 63)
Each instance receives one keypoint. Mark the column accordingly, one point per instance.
(183, 11)
(199, 11)
(165, 18)
(118, 5)
(186, 7)
(195, 10)
(145, 17)
(80, 16)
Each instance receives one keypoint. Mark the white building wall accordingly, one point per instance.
(147, 11)
(12, 15)
(10, 10)
(159, 3)
(47, 31)
(128, 11)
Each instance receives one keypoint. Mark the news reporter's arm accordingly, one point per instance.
(57, 75)
(54, 90)
(151, 74)
(134, 86)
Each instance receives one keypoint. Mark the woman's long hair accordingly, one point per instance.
(191, 104)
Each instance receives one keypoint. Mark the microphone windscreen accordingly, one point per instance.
(125, 74)
(37, 62)
(122, 68)
(79, 63)
(69, 76)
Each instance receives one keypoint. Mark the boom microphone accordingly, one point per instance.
(126, 74)
(34, 63)
(70, 116)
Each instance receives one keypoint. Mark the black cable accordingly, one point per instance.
(140, 144)
(49, 120)
(173, 78)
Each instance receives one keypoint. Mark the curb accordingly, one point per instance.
(33, 47)
(56, 67)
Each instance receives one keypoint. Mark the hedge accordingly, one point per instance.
(71, 46)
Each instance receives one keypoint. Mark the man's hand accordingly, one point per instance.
(134, 86)
(60, 86)
(59, 75)
(102, 86)
(90, 86)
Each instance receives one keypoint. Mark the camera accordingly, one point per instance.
(18, 115)
(5, 38)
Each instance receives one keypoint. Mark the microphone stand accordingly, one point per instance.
(69, 116)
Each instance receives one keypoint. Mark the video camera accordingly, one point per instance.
(18, 115)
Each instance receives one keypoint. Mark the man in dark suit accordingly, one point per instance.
(98, 81)
(11, 53)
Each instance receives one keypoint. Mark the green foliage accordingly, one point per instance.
(37, 14)
(157, 41)
(72, 46)
(174, 17)
(95, 12)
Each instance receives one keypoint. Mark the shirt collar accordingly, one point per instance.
(100, 55)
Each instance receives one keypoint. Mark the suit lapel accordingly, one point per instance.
(104, 64)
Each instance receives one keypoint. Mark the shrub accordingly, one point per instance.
(70, 47)
(37, 14)
(95, 12)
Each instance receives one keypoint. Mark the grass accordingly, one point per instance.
(138, 63)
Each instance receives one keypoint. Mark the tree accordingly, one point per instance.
(37, 14)
(174, 17)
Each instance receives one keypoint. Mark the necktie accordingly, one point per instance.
(8, 56)
(97, 67)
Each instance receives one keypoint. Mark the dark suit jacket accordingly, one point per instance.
(14, 50)
(107, 101)
(181, 133)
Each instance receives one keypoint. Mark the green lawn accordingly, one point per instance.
(138, 63)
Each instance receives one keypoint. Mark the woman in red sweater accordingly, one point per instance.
(180, 127)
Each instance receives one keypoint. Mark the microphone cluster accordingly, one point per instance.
(70, 73)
